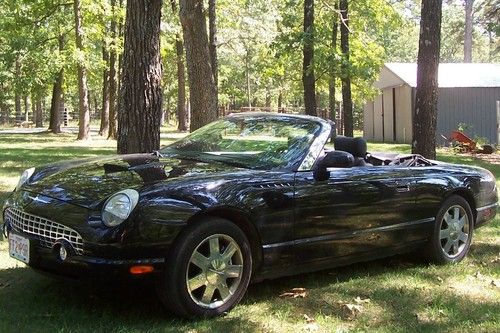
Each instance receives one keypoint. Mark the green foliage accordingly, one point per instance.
(405, 295)
(259, 46)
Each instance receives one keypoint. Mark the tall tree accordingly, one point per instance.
(139, 110)
(55, 112)
(308, 78)
(202, 89)
(469, 16)
(113, 80)
(83, 92)
(57, 93)
(181, 77)
(424, 119)
(212, 45)
(104, 129)
(38, 112)
(17, 95)
(332, 78)
(346, 76)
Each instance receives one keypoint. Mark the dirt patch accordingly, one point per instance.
(490, 158)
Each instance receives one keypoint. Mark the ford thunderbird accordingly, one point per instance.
(248, 197)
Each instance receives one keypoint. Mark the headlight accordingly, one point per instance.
(119, 206)
(24, 177)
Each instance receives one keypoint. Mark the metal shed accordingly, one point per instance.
(468, 94)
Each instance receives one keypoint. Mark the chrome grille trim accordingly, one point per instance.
(46, 231)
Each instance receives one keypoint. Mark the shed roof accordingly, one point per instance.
(451, 75)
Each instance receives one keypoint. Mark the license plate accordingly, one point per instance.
(19, 247)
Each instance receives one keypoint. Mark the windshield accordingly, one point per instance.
(249, 142)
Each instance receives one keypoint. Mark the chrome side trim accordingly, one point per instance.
(480, 209)
(124, 262)
(350, 234)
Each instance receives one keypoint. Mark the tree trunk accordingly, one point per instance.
(308, 79)
(26, 108)
(181, 79)
(4, 110)
(247, 76)
(96, 104)
(346, 75)
(104, 129)
(140, 104)
(181, 85)
(469, 4)
(83, 94)
(57, 91)
(38, 112)
(212, 46)
(33, 110)
(268, 97)
(166, 113)
(332, 79)
(17, 96)
(113, 124)
(203, 92)
(424, 119)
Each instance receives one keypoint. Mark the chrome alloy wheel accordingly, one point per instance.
(214, 271)
(454, 232)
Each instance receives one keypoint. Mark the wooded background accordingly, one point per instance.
(316, 57)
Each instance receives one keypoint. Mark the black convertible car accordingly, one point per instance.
(248, 197)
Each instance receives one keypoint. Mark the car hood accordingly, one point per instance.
(88, 182)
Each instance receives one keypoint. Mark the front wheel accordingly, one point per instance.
(208, 271)
(453, 230)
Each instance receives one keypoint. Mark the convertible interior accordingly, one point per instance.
(352, 152)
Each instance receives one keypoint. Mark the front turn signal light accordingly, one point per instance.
(143, 269)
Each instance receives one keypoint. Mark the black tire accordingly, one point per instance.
(488, 149)
(452, 232)
(174, 289)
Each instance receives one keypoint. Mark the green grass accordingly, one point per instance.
(405, 294)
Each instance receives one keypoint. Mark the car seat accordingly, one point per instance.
(356, 146)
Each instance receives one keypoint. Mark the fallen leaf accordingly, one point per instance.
(351, 311)
(295, 293)
(311, 325)
(422, 318)
(308, 319)
(360, 300)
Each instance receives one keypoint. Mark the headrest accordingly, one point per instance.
(355, 146)
(338, 159)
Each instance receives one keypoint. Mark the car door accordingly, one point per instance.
(356, 211)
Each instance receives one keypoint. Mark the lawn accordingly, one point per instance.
(398, 294)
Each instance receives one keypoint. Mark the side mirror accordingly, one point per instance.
(333, 159)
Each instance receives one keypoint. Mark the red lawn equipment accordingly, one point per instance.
(466, 144)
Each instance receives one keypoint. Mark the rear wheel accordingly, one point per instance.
(208, 271)
(452, 232)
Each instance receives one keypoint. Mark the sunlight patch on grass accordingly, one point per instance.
(405, 295)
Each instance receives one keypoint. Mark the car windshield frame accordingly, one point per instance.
(303, 158)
